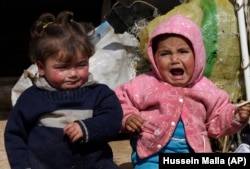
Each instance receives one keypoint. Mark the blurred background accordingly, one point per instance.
(16, 18)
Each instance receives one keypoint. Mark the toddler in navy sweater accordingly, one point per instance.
(66, 119)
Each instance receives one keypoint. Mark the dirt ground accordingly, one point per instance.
(121, 148)
(3, 158)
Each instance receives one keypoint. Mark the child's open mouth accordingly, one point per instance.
(177, 71)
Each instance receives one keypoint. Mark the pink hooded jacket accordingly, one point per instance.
(205, 109)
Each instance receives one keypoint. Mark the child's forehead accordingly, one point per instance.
(65, 55)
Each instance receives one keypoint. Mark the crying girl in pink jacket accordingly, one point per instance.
(174, 108)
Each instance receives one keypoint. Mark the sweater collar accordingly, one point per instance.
(42, 83)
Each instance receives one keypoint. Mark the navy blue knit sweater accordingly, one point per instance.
(34, 132)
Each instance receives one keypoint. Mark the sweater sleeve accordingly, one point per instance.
(15, 138)
(105, 124)
(221, 113)
(125, 98)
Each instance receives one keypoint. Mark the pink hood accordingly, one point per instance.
(179, 24)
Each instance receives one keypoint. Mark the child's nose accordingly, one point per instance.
(72, 72)
(174, 57)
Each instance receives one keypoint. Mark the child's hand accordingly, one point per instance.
(73, 131)
(243, 112)
(134, 123)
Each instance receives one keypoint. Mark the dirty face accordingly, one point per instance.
(64, 75)
(175, 60)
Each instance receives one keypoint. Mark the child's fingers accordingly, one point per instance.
(67, 128)
(244, 114)
(133, 127)
(130, 129)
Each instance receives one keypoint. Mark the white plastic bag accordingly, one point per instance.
(22, 83)
(243, 148)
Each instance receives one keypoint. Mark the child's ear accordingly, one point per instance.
(41, 68)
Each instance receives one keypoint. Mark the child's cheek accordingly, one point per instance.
(57, 79)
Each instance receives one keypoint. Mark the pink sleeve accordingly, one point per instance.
(125, 96)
